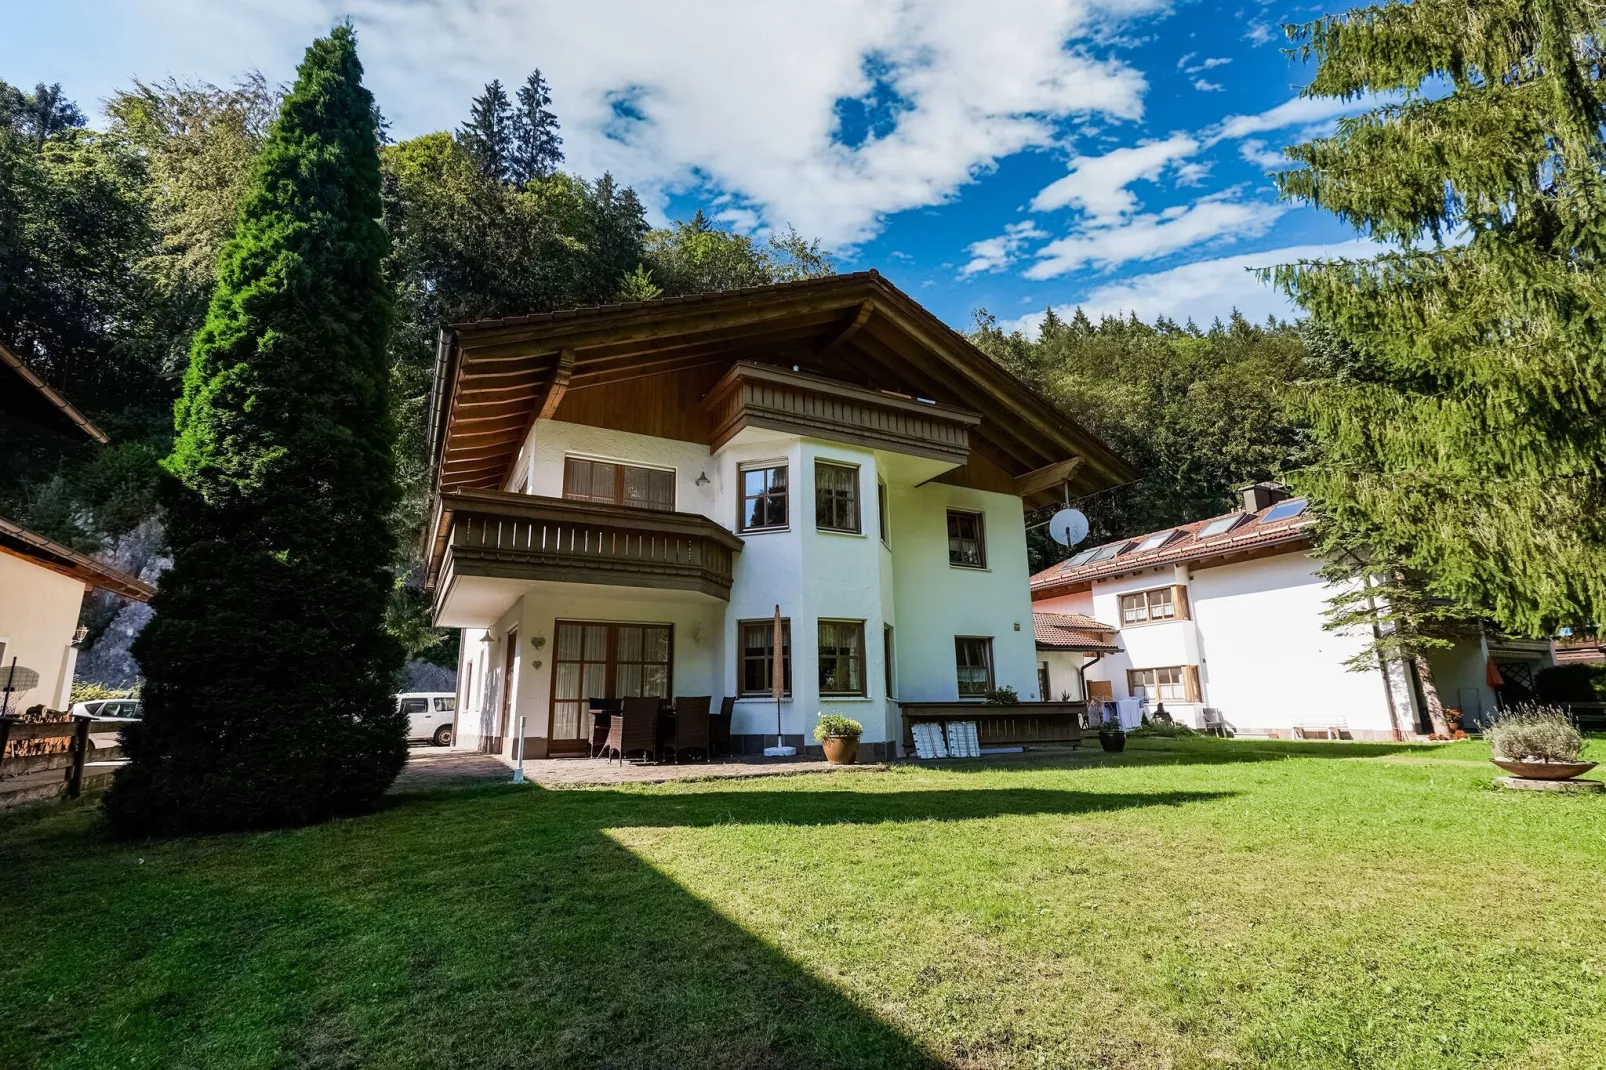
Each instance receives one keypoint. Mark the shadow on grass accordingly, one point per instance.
(473, 928)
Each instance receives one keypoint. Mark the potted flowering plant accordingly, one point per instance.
(839, 737)
(1537, 743)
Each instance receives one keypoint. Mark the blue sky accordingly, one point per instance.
(1012, 155)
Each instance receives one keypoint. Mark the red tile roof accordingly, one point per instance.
(1072, 631)
(1248, 534)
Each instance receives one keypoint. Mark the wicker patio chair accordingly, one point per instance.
(601, 711)
(638, 729)
(691, 725)
(719, 727)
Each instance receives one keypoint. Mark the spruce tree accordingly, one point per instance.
(537, 150)
(1465, 442)
(269, 677)
(488, 134)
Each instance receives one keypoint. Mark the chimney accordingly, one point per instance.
(1258, 496)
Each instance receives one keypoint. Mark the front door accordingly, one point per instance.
(596, 659)
(504, 719)
(1100, 691)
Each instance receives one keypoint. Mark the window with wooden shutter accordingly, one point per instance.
(611, 483)
(1190, 683)
(1179, 597)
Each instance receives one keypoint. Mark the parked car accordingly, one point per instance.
(110, 709)
(430, 715)
(109, 715)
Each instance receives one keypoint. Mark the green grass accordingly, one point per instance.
(1191, 904)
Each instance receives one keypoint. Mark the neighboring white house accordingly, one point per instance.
(1228, 614)
(625, 494)
(42, 583)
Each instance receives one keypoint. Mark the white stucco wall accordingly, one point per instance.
(38, 616)
(937, 601)
(1063, 678)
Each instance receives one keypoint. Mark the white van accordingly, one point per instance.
(430, 715)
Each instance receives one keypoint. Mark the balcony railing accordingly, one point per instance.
(758, 395)
(529, 537)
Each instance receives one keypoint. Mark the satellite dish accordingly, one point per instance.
(1068, 527)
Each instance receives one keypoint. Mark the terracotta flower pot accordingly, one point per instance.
(1544, 770)
(841, 750)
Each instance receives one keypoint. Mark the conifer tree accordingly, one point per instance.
(488, 134)
(1465, 442)
(269, 677)
(537, 150)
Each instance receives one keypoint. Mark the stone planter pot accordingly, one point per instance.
(841, 750)
(1544, 770)
(1111, 743)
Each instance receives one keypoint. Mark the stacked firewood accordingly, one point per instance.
(27, 748)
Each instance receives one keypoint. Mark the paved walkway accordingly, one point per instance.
(432, 767)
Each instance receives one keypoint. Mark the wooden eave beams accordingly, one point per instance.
(846, 334)
(1046, 478)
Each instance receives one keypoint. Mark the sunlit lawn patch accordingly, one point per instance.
(1200, 903)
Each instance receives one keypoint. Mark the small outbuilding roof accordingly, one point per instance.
(20, 542)
(31, 398)
(1072, 631)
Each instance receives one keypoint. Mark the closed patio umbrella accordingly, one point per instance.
(778, 688)
(1491, 674)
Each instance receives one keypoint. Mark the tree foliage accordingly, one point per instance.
(537, 148)
(1197, 413)
(269, 675)
(1461, 433)
(697, 256)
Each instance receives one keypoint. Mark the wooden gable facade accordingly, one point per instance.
(848, 357)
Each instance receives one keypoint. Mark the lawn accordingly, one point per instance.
(1189, 904)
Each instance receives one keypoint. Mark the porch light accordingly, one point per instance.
(702, 479)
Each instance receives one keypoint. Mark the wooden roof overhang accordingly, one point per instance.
(495, 378)
(20, 542)
(35, 400)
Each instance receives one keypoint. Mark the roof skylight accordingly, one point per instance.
(1221, 524)
(1155, 541)
(1080, 559)
(1284, 510)
(1104, 553)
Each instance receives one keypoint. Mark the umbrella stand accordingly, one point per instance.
(778, 688)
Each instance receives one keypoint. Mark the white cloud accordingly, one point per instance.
(1300, 111)
(733, 96)
(991, 254)
(1202, 290)
(1150, 236)
(1098, 184)
(1258, 153)
(1192, 173)
(1205, 86)
(1210, 63)
(1260, 33)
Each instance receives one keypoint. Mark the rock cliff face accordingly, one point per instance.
(113, 622)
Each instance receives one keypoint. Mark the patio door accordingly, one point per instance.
(598, 659)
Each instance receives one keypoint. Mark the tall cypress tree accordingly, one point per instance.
(488, 134)
(1466, 439)
(537, 149)
(269, 677)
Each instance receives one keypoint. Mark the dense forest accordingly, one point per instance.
(1197, 412)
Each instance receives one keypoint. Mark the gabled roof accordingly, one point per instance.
(494, 378)
(1251, 531)
(22, 392)
(1072, 631)
(18, 540)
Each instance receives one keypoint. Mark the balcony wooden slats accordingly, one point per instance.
(1023, 725)
(759, 395)
(528, 537)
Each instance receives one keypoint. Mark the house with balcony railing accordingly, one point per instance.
(625, 496)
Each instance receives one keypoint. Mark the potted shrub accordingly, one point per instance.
(1111, 737)
(1534, 742)
(1003, 696)
(839, 738)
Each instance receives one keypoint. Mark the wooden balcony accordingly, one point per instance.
(1025, 725)
(760, 395)
(495, 534)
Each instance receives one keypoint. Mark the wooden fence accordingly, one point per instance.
(44, 758)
